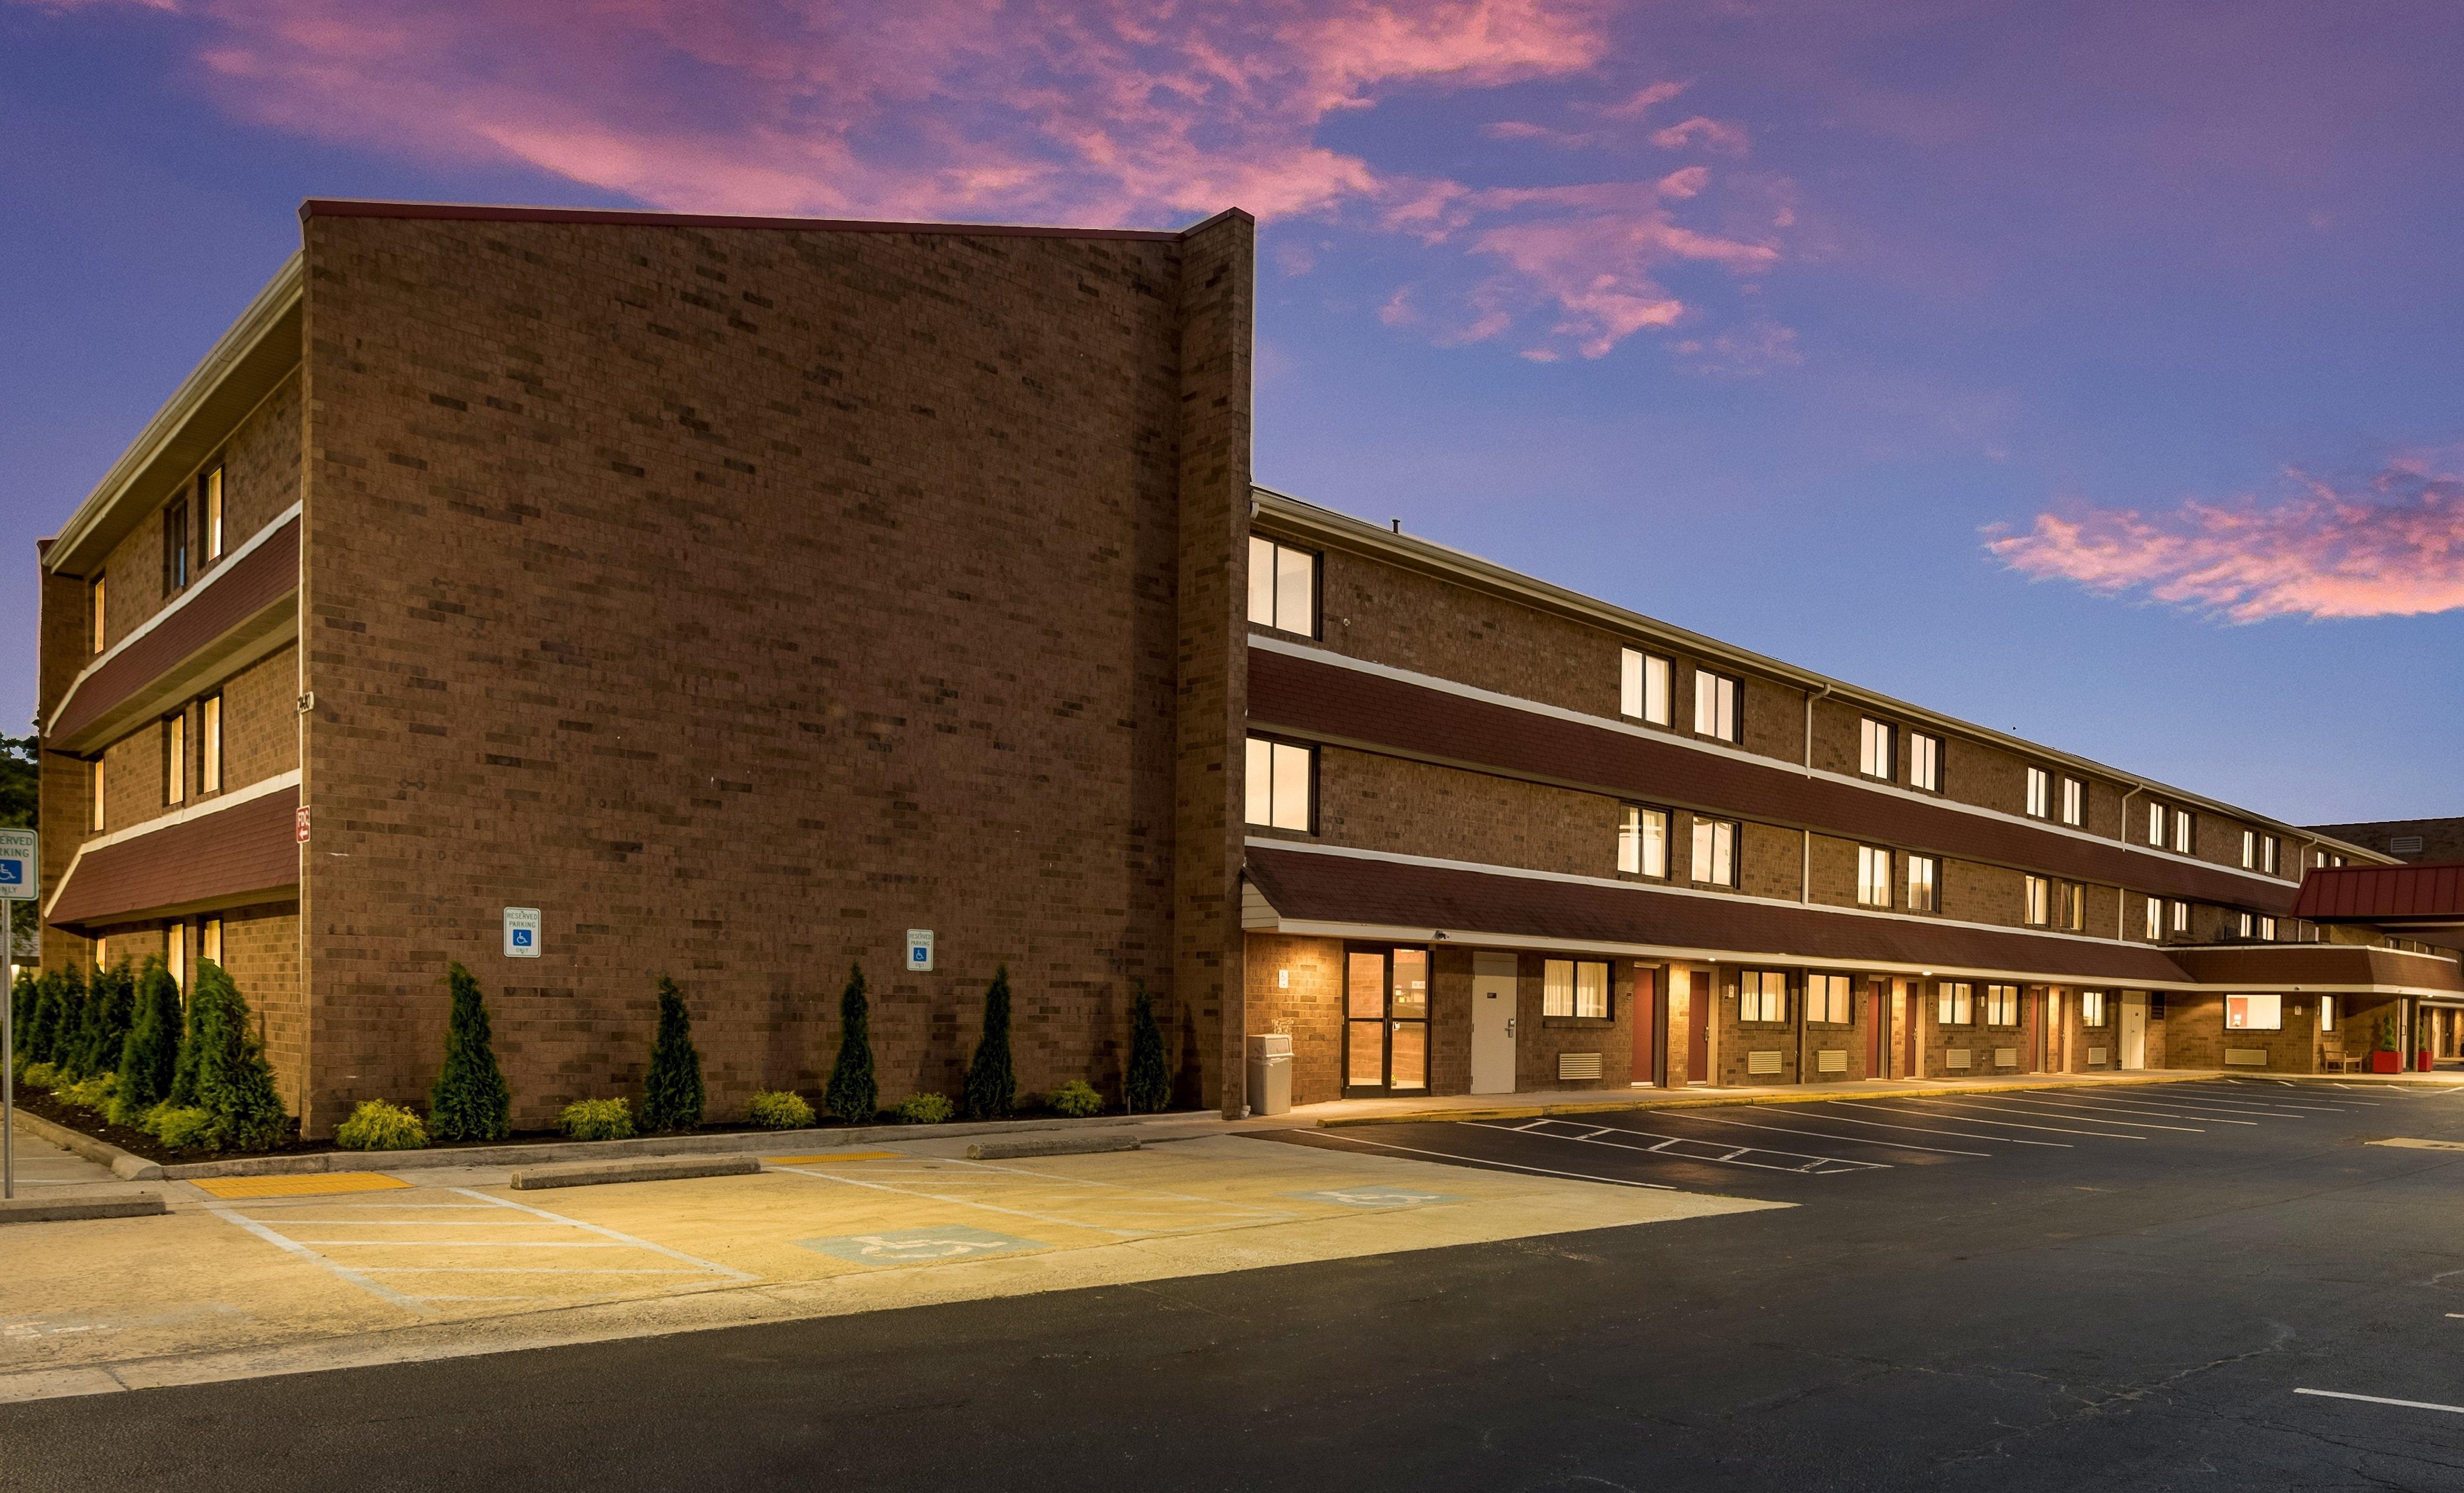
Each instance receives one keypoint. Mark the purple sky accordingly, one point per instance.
(2088, 371)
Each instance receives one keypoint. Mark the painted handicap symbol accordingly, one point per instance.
(1375, 1196)
(917, 1246)
(12, 872)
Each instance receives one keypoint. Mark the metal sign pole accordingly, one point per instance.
(9, 1046)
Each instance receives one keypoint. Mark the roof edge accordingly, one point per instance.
(487, 213)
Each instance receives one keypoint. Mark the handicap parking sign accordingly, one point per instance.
(521, 932)
(19, 856)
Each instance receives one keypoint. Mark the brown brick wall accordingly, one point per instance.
(1295, 987)
(742, 598)
(1372, 802)
(261, 720)
(1798, 1042)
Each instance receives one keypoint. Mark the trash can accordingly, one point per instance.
(1270, 1073)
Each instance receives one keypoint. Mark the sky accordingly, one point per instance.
(2089, 371)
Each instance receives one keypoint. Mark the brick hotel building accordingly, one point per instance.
(742, 593)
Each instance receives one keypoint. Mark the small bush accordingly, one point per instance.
(778, 1109)
(925, 1109)
(41, 1075)
(597, 1120)
(992, 1084)
(1149, 1088)
(182, 1126)
(1076, 1099)
(93, 1093)
(376, 1126)
(469, 1100)
(852, 1095)
(671, 1095)
(232, 1080)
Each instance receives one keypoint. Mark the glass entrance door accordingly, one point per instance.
(1386, 1021)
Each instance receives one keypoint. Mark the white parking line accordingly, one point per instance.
(2240, 1099)
(2109, 1107)
(2381, 1399)
(331, 1266)
(1730, 1156)
(1828, 1135)
(1929, 1129)
(1972, 1119)
(2016, 1106)
(953, 1173)
(1483, 1161)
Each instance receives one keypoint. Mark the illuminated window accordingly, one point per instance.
(1762, 995)
(2001, 1005)
(2271, 853)
(1826, 999)
(1923, 871)
(2091, 1008)
(2070, 907)
(101, 953)
(2267, 928)
(2253, 1012)
(1283, 586)
(209, 939)
(2036, 906)
(97, 777)
(1715, 852)
(2040, 793)
(2250, 850)
(210, 744)
(1282, 786)
(2180, 916)
(2156, 825)
(1954, 1003)
(175, 759)
(1642, 841)
(1642, 686)
(1574, 987)
(2326, 1013)
(209, 507)
(1873, 877)
(95, 609)
(2073, 802)
(1715, 705)
(175, 953)
(1877, 748)
(1924, 762)
(2184, 836)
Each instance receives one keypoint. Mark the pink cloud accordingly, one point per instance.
(1636, 104)
(1714, 134)
(2390, 546)
(1100, 112)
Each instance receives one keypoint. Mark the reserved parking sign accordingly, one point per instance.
(521, 932)
(20, 863)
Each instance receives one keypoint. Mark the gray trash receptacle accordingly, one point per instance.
(1270, 1073)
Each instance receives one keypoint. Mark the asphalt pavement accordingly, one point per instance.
(2227, 1284)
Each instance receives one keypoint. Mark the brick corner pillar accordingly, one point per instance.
(1218, 315)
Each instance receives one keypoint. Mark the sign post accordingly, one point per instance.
(20, 863)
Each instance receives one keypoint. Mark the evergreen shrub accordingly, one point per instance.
(779, 1109)
(597, 1120)
(852, 1095)
(1076, 1100)
(151, 1052)
(376, 1126)
(991, 1091)
(469, 1100)
(1149, 1085)
(671, 1096)
(924, 1109)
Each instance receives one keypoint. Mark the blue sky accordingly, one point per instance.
(1765, 319)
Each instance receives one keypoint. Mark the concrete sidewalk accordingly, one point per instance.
(1535, 1103)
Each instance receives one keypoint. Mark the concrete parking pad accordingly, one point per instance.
(271, 1279)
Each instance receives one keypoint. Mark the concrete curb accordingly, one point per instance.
(1687, 1100)
(126, 1165)
(55, 1209)
(435, 1158)
(1051, 1145)
(658, 1168)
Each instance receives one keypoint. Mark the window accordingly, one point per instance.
(94, 605)
(2155, 919)
(2248, 924)
(1281, 786)
(2335, 861)
(2156, 825)
(2253, 1012)
(101, 953)
(2073, 802)
(1715, 705)
(1877, 754)
(1922, 873)
(175, 953)
(2040, 793)
(175, 759)
(2250, 850)
(2001, 1005)
(2091, 1008)
(2070, 907)
(209, 507)
(2326, 1013)
(1642, 686)
(2037, 901)
(1924, 762)
(1873, 877)
(97, 776)
(1715, 852)
(1574, 987)
(2179, 917)
(1642, 841)
(175, 545)
(209, 939)
(2271, 853)
(1283, 586)
(210, 744)
(1954, 1003)
(1826, 999)
(2267, 928)
(1762, 995)
(2183, 837)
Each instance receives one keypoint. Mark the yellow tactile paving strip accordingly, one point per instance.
(310, 1186)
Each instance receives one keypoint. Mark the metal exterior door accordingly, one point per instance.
(2134, 1029)
(1492, 1023)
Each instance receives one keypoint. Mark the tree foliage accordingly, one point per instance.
(468, 1100)
(671, 1098)
(992, 1082)
(1148, 1083)
(150, 1054)
(853, 1094)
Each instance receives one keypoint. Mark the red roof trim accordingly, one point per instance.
(247, 849)
(2333, 894)
(484, 212)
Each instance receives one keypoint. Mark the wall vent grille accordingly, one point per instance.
(1767, 1061)
(1578, 1065)
(1831, 1060)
